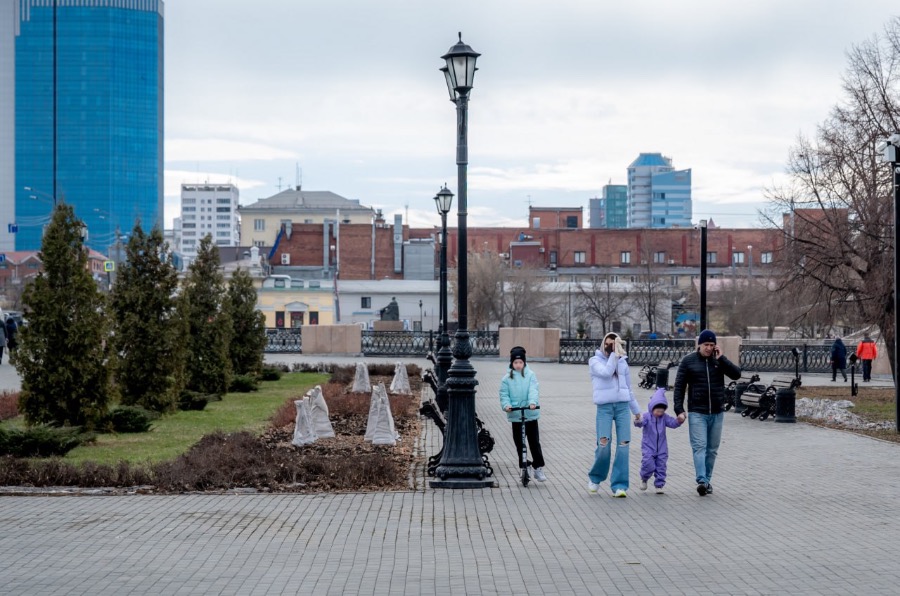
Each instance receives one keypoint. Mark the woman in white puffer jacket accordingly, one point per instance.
(611, 382)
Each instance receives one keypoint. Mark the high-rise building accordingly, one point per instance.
(88, 80)
(610, 210)
(8, 26)
(208, 209)
(658, 195)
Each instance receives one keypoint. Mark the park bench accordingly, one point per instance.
(760, 402)
(731, 397)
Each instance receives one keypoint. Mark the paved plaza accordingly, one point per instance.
(797, 510)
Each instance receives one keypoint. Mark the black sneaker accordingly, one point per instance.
(701, 489)
(708, 488)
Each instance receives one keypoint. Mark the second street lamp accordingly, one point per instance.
(443, 200)
(462, 465)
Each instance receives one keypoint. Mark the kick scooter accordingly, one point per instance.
(524, 463)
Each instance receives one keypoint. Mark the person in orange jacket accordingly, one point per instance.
(867, 352)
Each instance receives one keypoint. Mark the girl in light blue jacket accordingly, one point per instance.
(519, 389)
(611, 381)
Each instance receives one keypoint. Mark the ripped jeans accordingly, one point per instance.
(607, 414)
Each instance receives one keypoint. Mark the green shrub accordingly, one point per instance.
(130, 419)
(270, 373)
(41, 441)
(243, 384)
(193, 400)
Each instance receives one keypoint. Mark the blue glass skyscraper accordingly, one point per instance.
(88, 115)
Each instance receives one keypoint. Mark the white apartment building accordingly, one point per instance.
(208, 209)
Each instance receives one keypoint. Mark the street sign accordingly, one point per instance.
(109, 266)
(2, 258)
(12, 228)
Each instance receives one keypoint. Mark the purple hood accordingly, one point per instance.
(658, 399)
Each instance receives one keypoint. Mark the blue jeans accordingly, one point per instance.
(706, 432)
(606, 415)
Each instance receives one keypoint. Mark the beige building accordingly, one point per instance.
(290, 302)
(261, 221)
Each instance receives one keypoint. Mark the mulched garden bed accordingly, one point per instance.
(244, 462)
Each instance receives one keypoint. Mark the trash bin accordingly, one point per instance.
(662, 377)
(738, 392)
(785, 405)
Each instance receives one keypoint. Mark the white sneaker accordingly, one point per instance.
(620, 494)
(660, 490)
(643, 485)
(593, 487)
(539, 475)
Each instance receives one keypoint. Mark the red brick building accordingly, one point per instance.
(378, 252)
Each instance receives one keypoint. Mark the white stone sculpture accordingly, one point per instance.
(361, 382)
(400, 382)
(318, 411)
(304, 434)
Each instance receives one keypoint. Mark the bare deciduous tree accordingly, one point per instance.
(838, 200)
(599, 300)
(649, 294)
(527, 299)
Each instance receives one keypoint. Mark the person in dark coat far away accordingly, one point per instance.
(838, 359)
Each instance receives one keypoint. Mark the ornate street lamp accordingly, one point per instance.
(461, 464)
(443, 200)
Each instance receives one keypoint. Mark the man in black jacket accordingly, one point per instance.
(702, 376)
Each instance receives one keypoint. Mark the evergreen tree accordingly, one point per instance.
(204, 306)
(148, 340)
(63, 353)
(248, 325)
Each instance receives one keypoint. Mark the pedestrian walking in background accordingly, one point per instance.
(654, 446)
(519, 389)
(867, 352)
(614, 398)
(838, 359)
(701, 379)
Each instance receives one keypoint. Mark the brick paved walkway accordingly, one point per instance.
(814, 512)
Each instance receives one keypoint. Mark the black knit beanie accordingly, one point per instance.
(517, 353)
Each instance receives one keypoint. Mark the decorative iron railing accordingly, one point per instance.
(577, 351)
(418, 343)
(640, 351)
(284, 340)
(654, 351)
(778, 357)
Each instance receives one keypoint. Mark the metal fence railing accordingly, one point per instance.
(755, 356)
(640, 351)
(284, 340)
(419, 343)
(777, 357)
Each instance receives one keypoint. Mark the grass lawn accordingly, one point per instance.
(172, 435)
(874, 404)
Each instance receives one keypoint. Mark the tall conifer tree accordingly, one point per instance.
(148, 336)
(63, 351)
(248, 325)
(204, 306)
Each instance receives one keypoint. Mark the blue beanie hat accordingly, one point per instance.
(706, 336)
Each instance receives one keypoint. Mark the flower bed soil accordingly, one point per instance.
(268, 462)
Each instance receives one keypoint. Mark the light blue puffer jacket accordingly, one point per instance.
(519, 391)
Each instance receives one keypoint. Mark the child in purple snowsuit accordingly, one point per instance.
(654, 448)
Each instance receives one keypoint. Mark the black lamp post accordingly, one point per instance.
(461, 464)
(443, 200)
(890, 153)
(703, 257)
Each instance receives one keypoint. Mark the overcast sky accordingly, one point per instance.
(567, 94)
